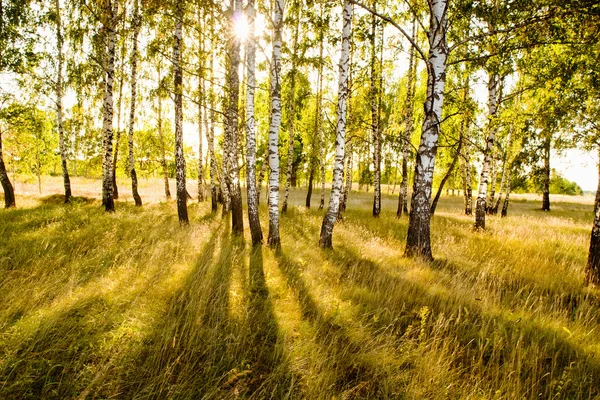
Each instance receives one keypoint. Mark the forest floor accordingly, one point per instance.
(131, 305)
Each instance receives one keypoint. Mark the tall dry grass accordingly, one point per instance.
(131, 305)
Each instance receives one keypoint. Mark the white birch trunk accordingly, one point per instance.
(418, 241)
(137, 22)
(210, 132)
(201, 108)
(275, 123)
(348, 175)
(480, 208)
(408, 130)
(319, 117)
(59, 104)
(253, 217)
(232, 125)
(338, 170)
(291, 117)
(374, 100)
(178, 99)
(161, 139)
(107, 120)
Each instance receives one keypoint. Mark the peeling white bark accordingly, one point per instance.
(340, 142)
(274, 239)
(418, 241)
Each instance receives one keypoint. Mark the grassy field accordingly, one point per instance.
(131, 305)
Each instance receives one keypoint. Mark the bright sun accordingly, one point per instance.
(241, 27)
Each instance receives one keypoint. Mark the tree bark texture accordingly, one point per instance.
(325, 240)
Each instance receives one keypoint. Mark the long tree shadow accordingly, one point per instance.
(189, 344)
(482, 340)
(63, 351)
(351, 375)
(265, 371)
(201, 350)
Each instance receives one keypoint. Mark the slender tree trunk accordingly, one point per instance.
(137, 22)
(291, 113)
(119, 109)
(496, 205)
(408, 107)
(275, 123)
(178, 99)
(9, 192)
(418, 240)
(450, 170)
(490, 201)
(325, 240)
(201, 106)
(319, 117)
(261, 177)
(253, 217)
(107, 126)
(481, 206)
(311, 179)
(506, 199)
(374, 100)
(592, 268)
(210, 133)
(59, 104)
(161, 139)
(546, 191)
(200, 155)
(231, 123)
(348, 175)
(467, 186)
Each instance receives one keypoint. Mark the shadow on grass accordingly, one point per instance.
(199, 350)
(58, 199)
(349, 375)
(64, 352)
(490, 350)
(69, 247)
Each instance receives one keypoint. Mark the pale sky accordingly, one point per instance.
(579, 166)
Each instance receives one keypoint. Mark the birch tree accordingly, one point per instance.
(418, 240)
(121, 75)
(375, 128)
(201, 104)
(408, 129)
(161, 138)
(210, 137)
(136, 26)
(325, 240)
(291, 111)
(110, 11)
(494, 83)
(467, 168)
(318, 142)
(178, 100)
(348, 175)
(275, 123)
(253, 217)
(59, 102)
(232, 178)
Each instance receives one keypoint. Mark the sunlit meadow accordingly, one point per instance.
(131, 305)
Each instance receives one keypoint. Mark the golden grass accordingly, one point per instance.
(131, 305)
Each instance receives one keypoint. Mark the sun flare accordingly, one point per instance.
(242, 29)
